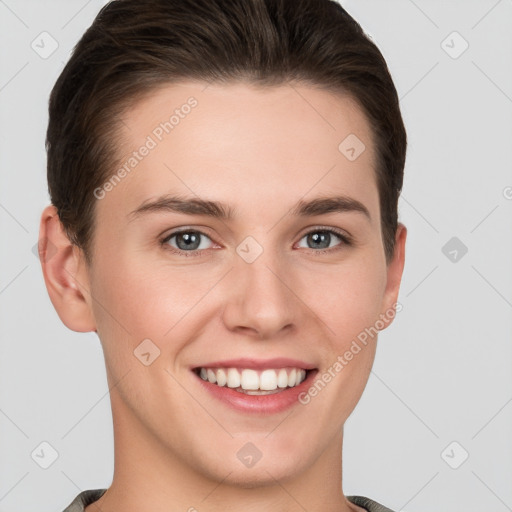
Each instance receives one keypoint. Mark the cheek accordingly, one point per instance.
(136, 300)
(349, 302)
(348, 298)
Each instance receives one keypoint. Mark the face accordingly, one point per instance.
(285, 272)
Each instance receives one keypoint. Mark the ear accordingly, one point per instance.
(394, 277)
(65, 273)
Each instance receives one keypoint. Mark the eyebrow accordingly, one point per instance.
(218, 210)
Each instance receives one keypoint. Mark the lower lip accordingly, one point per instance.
(259, 404)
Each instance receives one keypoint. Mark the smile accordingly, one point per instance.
(254, 382)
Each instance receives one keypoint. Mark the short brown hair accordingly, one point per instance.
(134, 46)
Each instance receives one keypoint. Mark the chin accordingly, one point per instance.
(260, 475)
(256, 463)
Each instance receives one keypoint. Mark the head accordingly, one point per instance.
(269, 132)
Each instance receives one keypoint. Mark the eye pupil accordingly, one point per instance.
(320, 237)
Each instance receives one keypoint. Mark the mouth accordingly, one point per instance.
(251, 386)
(254, 382)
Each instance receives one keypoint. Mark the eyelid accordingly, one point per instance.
(185, 229)
(337, 231)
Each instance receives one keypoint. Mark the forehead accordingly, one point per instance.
(243, 142)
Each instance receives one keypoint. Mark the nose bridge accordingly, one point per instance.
(260, 298)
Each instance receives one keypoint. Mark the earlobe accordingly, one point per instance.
(394, 276)
(65, 274)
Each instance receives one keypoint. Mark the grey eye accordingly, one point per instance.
(320, 239)
(188, 240)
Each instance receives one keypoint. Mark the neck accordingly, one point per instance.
(150, 477)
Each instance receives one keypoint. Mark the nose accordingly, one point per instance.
(260, 300)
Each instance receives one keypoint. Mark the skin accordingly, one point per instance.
(260, 151)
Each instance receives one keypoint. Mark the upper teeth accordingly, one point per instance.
(249, 379)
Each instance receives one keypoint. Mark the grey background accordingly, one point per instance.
(442, 373)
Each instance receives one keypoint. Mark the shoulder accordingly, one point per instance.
(83, 499)
(368, 504)
(87, 497)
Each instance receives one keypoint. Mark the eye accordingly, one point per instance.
(194, 243)
(190, 241)
(322, 238)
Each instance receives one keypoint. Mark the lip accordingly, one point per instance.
(257, 404)
(258, 364)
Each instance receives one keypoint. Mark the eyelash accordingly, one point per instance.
(347, 241)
